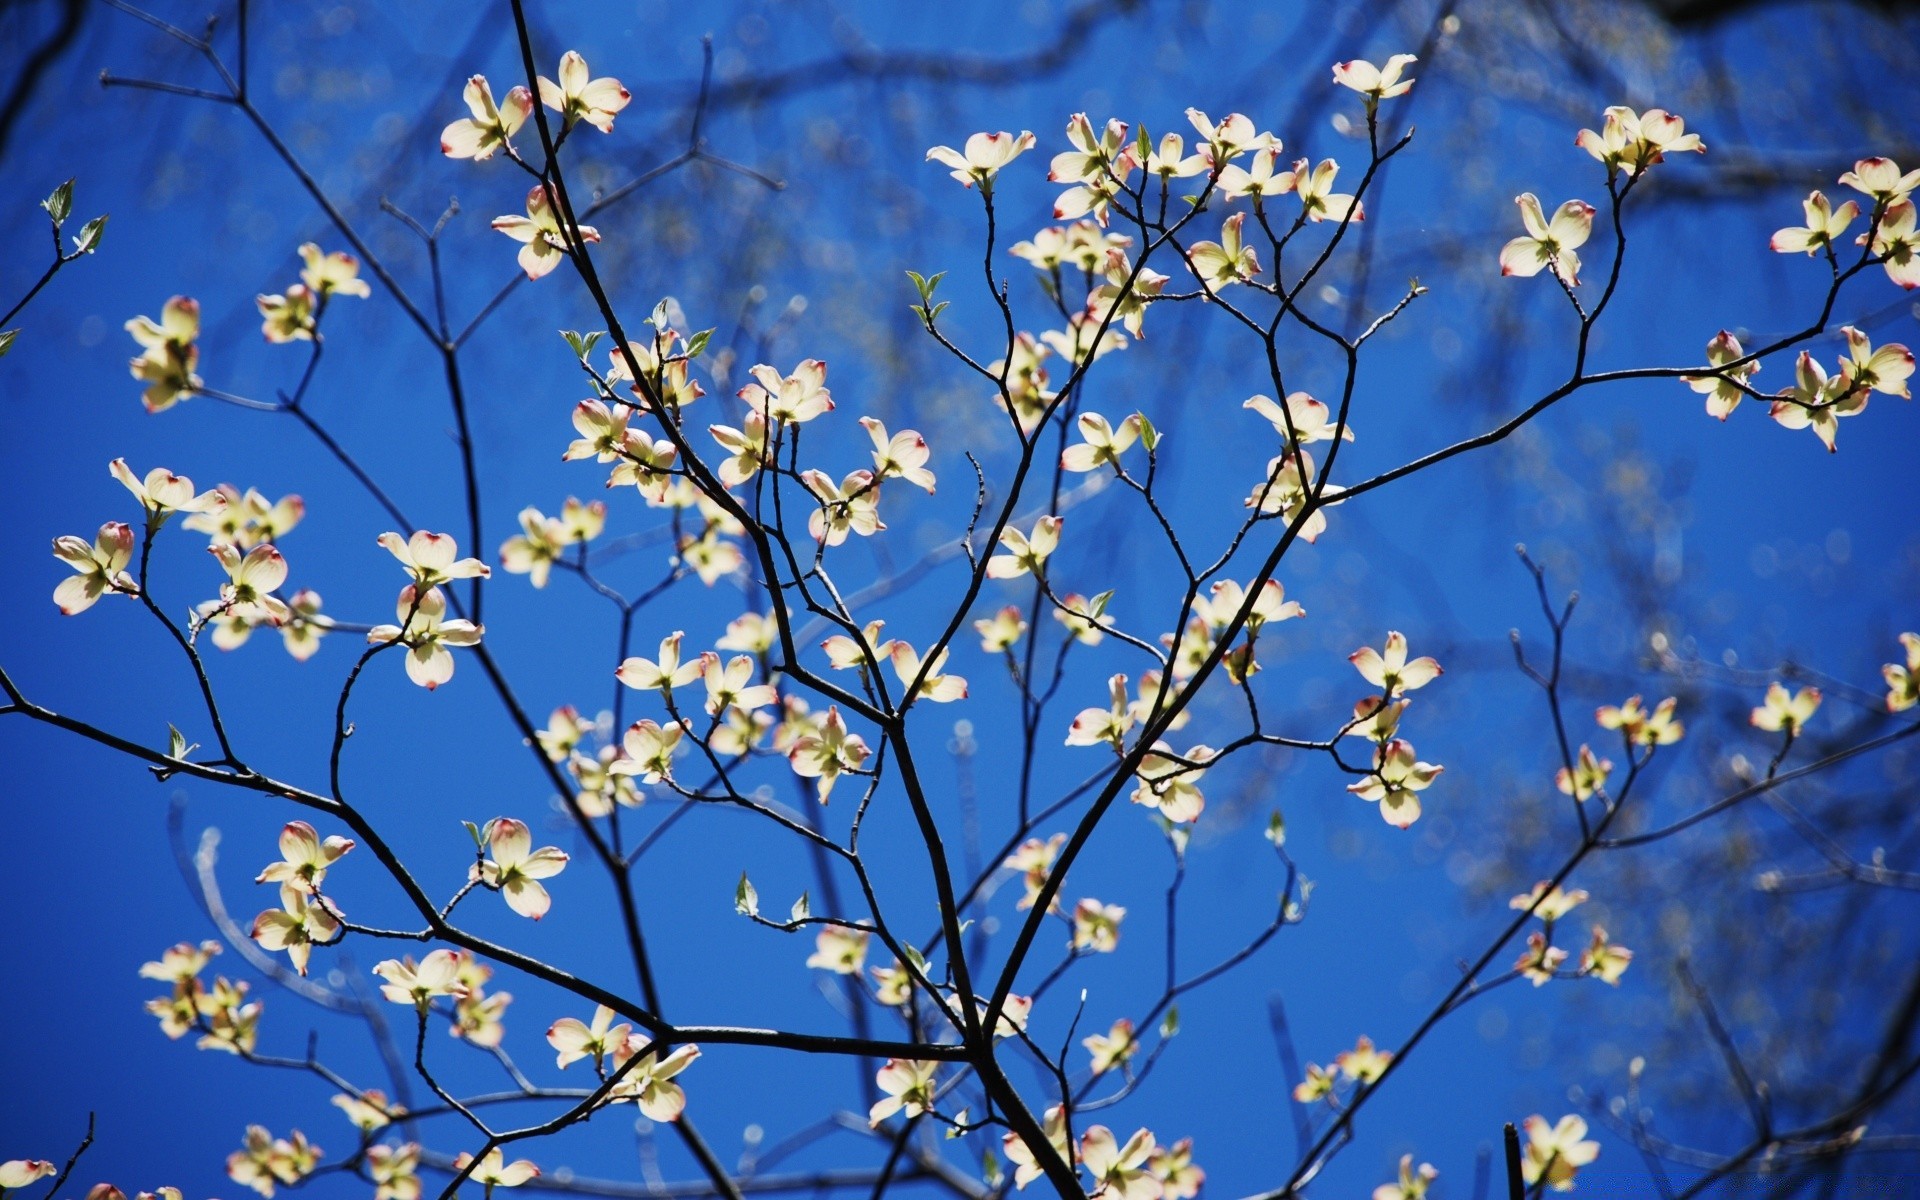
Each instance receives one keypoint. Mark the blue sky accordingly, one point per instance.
(1744, 539)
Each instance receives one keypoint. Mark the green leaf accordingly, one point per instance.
(746, 901)
(935, 314)
(1170, 1024)
(473, 831)
(914, 956)
(6, 340)
(919, 283)
(697, 344)
(1144, 145)
(1149, 436)
(1097, 607)
(990, 1168)
(176, 742)
(59, 206)
(1277, 828)
(801, 908)
(90, 234)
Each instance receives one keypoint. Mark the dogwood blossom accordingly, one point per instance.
(1556, 1152)
(1113, 1048)
(1286, 489)
(1318, 200)
(1394, 782)
(985, 155)
(840, 949)
(1172, 1167)
(1231, 137)
(647, 750)
(1171, 784)
(1076, 613)
(1123, 298)
(1304, 420)
(1119, 1172)
(251, 579)
(1640, 727)
(1903, 679)
(286, 316)
(1412, 1184)
(825, 754)
(1097, 166)
(1034, 860)
(1547, 243)
(1817, 401)
(669, 672)
(1170, 160)
(580, 97)
(892, 985)
(1896, 243)
(1257, 180)
(541, 542)
(1548, 901)
(489, 128)
(574, 1040)
(1588, 776)
(909, 1089)
(1604, 960)
(1025, 554)
(1096, 926)
(515, 868)
(789, 399)
(899, 456)
(545, 241)
(99, 568)
(297, 926)
(1391, 672)
(1318, 1085)
(1227, 261)
(245, 519)
(1884, 370)
(408, 982)
(478, 1015)
(1363, 1064)
(369, 1111)
(1539, 960)
(1001, 631)
(1376, 83)
(1092, 726)
(1825, 224)
(304, 858)
(395, 1171)
(1636, 141)
(935, 686)
(1723, 391)
(1226, 598)
(494, 1171)
(851, 506)
(167, 363)
(336, 274)
(1786, 712)
(19, 1172)
(427, 634)
(432, 558)
(162, 493)
(732, 686)
(1026, 1168)
(649, 1082)
(265, 1162)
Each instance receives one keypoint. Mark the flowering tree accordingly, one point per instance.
(801, 691)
